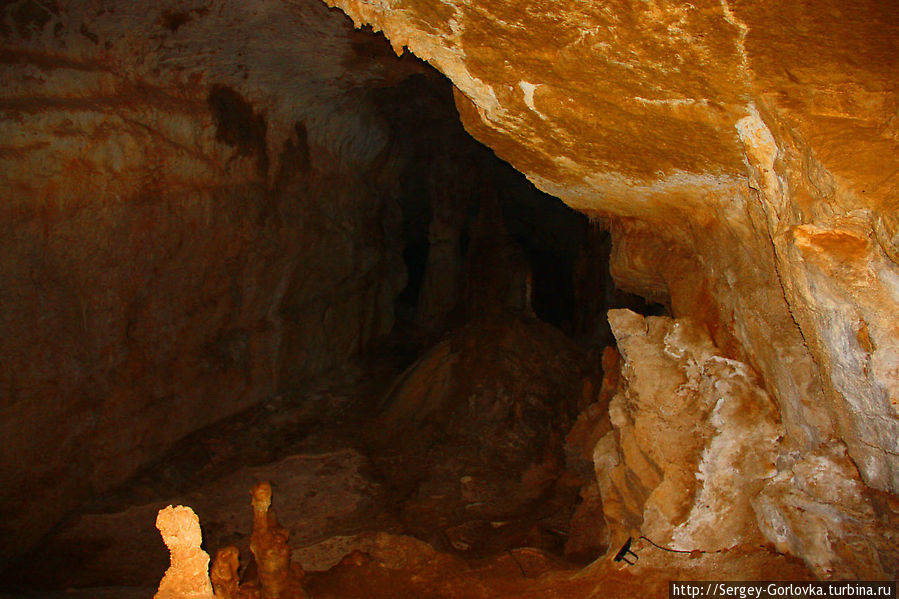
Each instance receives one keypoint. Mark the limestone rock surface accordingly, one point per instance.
(694, 440)
(696, 461)
(817, 507)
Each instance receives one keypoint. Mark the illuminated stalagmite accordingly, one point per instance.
(188, 574)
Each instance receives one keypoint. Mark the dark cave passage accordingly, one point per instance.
(442, 192)
(446, 183)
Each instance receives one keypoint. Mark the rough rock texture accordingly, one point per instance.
(381, 565)
(274, 576)
(817, 507)
(444, 273)
(196, 208)
(744, 155)
(588, 535)
(473, 434)
(694, 439)
(695, 462)
(399, 566)
(188, 574)
(223, 574)
(269, 544)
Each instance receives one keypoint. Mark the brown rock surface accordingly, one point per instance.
(319, 496)
(191, 215)
(472, 434)
(270, 575)
(588, 532)
(223, 574)
(381, 565)
(271, 552)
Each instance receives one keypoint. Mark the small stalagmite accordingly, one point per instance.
(272, 575)
(188, 573)
(225, 581)
(269, 546)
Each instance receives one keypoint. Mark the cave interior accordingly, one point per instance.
(386, 333)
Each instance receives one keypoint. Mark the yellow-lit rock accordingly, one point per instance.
(694, 440)
(188, 575)
(696, 462)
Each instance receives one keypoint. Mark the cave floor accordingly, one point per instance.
(371, 513)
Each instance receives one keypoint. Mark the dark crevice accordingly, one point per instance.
(238, 125)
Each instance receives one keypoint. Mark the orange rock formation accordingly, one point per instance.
(199, 208)
(272, 576)
(188, 574)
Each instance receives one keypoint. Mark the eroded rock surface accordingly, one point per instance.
(473, 433)
(696, 462)
(273, 575)
(695, 439)
(817, 507)
(385, 565)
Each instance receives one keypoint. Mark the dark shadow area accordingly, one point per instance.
(446, 414)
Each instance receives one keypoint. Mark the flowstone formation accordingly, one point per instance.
(694, 439)
(696, 462)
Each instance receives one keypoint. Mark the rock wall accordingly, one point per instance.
(745, 155)
(695, 438)
(696, 461)
(196, 208)
(198, 205)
